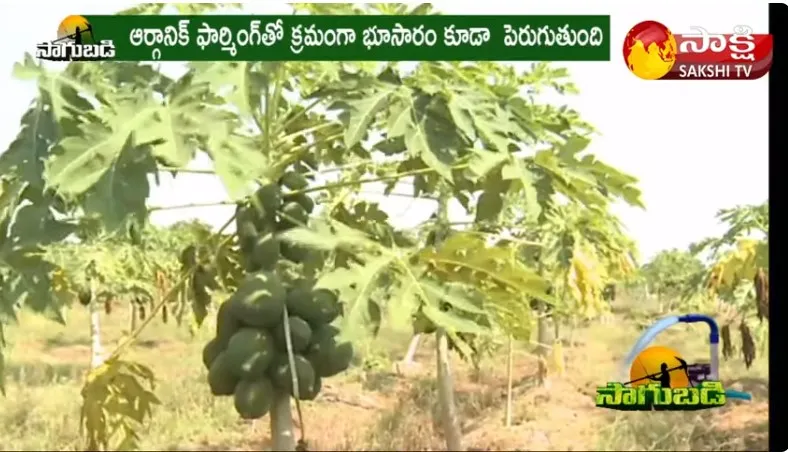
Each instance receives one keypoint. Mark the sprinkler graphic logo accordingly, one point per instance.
(659, 378)
(75, 41)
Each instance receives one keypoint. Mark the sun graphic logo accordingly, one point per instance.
(662, 365)
(650, 50)
(75, 29)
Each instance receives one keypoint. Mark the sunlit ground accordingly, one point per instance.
(380, 409)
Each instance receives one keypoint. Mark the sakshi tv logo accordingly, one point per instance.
(653, 52)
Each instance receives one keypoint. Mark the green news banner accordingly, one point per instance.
(354, 38)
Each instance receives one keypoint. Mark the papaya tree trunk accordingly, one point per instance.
(282, 423)
(410, 356)
(558, 347)
(542, 339)
(446, 404)
(572, 331)
(509, 380)
(96, 349)
(132, 316)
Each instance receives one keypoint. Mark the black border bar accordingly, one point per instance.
(778, 400)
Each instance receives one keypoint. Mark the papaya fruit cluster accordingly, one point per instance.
(268, 212)
(248, 357)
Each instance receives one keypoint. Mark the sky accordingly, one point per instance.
(696, 146)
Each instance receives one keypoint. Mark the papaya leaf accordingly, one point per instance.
(362, 112)
(34, 225)
(488, 207)
(455, 296)
(423, 140)
(178, 124)
(398, 123)
(574, 145)
(238, 161)
(357, 285)
(120, 194)
(117, 399)
(326, 236)
(28, 281)
(26, 154)
(451, 321)
(247, 80)
(143, 9)
(516, 170)
(182, 8)
(423, 9)
(483, 162)
(460, 109)
(83, 159)
(466, 258)
(63, 91)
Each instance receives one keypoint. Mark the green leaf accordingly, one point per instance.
(28, 281)
(399, 120)
(357, 285)
(515, 170)
(452, 322)
(466, 258)
(462, 116)
(326, 236)
(26, 154)
(64, 91)
(488, 207)
(34, 224)
(574, 145)
(456, 296)
(428, 147)
(238, 161)
(120, 194)
(246, 80)
(363, 111)
(143, 9)
(483, 162)
(82, 159)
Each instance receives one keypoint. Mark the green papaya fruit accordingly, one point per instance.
(294, 181)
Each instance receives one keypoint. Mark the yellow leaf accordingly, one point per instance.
(466, 258)
(116, 401)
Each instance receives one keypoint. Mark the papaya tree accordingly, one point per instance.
(581, 250)
(739, 277)
(445, 127)
(668, 274)
(97, 132)
(455, 133)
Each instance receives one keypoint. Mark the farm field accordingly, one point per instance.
(373, 408)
